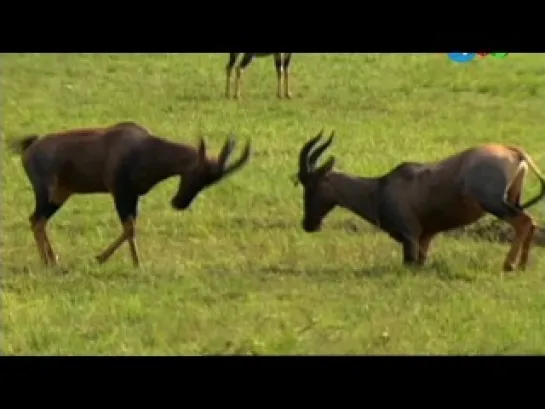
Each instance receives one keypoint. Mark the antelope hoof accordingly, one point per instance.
(54, 261)
(279, 95)
(61, 270)
(100, 259)
(508, 267)
(288, 95)
(51, 262)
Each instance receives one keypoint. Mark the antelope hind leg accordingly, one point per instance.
(287, 92)
(130, 229)
(526, 244)
(38, 231)
(244, 63)
(279, 69)
(53, 258)
(491, 198)
(228, 72)
(286, 66)
(48, 256)
(523, 226)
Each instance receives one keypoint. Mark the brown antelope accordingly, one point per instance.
(124, 160)
(281, 62)
(415, 201)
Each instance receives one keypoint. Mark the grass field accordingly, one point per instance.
(236, 274)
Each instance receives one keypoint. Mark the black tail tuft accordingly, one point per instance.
(536, 199)
(22, 144)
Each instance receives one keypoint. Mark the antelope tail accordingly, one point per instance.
(537, 172)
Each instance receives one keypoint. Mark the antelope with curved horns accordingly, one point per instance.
(125, 160)
(415, 201)
(281, 63)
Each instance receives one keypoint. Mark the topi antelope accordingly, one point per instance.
(281, 62)
(124, 160)
(415, 201)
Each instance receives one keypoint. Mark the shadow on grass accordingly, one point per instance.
(261, 223)
(347, 226)
(191, 98)
(438, 268)
(489, 230)
(494, 231)
(31, 268)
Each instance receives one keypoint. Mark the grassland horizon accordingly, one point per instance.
(236, 274)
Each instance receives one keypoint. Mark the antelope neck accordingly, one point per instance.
(360, 195)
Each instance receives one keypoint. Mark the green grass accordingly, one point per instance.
(237, 274)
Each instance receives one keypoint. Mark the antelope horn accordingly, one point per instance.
(319, 150)
(240, 161)
(303, 154)
(201, 148)
(226, 150)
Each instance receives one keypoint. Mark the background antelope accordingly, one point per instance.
(124, 160)
(281, 62)
(415, 201)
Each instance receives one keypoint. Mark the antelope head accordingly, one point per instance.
(319, 197)
(207, 171)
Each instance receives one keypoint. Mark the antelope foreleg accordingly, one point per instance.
(411, 251)
(423, 247)
(106, 254)
(128, 234)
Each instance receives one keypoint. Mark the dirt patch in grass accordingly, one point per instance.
(495, 231)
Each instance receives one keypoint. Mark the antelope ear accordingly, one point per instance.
(326, 167)
(202, 149)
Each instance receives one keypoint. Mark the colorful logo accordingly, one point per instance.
(499, 55)
(468, 57)
(493, 55)
(461, 57)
